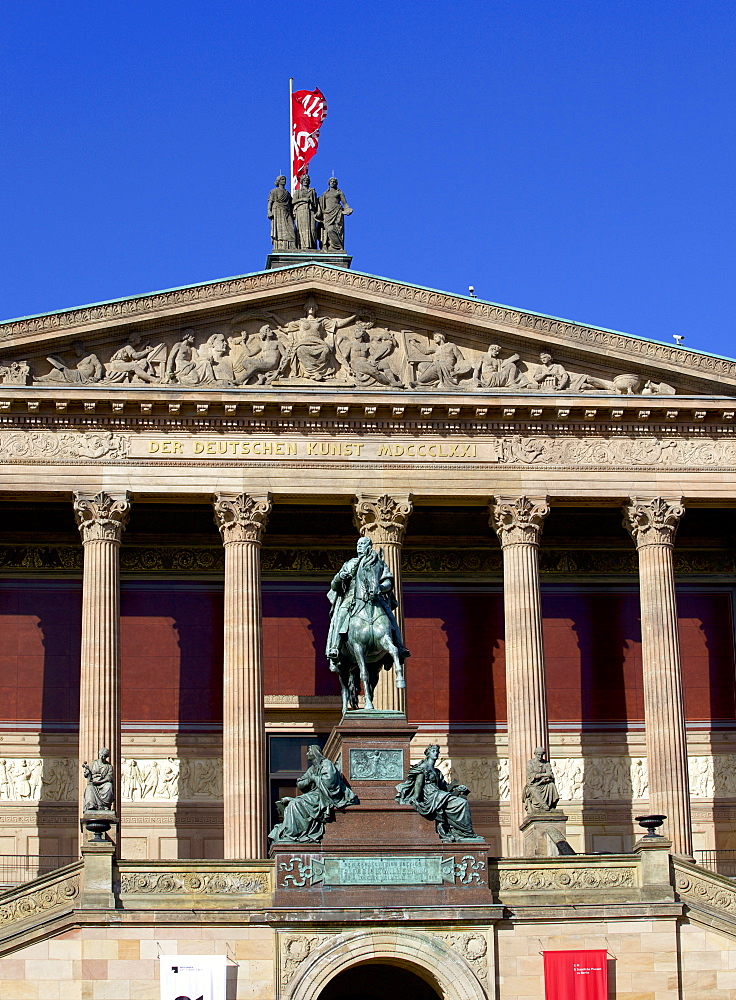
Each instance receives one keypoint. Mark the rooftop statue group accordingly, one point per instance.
(303, 221)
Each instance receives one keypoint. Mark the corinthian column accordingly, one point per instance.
(101, 520)
(518, 522)
(383, 519)
(242, 520)
(652, 523)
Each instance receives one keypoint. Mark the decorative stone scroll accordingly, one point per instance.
(518, 519)
(197, 883)
(383, 518)
(702, 887)
(101, 517)
(559, 879)
(25, 904)
(241, 518)
(654, 521)
(44, 446)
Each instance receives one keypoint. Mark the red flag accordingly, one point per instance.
(576, 975)
(308, 111)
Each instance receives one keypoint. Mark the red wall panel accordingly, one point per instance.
(172, 653)
(39, 652)
(456, 671)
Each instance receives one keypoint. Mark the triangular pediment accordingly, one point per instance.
(315, 326)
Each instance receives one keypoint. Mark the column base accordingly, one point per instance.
(544, 835)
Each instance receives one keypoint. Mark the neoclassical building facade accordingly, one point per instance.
(181, 474)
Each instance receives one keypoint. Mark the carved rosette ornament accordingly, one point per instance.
(101, 517)
(241, 518)
(382, 518)
(653, 522)
(518, 520)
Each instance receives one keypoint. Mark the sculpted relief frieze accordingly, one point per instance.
(311, 348)
(55, 779)
(362, 284)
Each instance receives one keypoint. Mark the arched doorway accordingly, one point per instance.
(377, 981)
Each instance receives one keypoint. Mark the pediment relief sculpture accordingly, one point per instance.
(314, 348)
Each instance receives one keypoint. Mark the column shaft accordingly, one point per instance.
(518, 522)
(241, 520)
(383, 519)
(652, 524)
(101, 520)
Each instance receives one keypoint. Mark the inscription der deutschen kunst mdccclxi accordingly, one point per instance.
(427, 450)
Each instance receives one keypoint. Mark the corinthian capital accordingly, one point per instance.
(654, 521)
(102, 515)
(382, 517)
(241, 517)
(518, 519)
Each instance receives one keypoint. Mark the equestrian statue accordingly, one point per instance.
(364, 634)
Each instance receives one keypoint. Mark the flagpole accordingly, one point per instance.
(291, 135)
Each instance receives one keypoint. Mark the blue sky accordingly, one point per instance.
(573, 158)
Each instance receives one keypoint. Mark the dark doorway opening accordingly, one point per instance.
(376, 981)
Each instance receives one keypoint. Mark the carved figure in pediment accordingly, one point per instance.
(547, 375)
(206, 365)
(310, 355)
(89, 368)
(445, 364)
(334, 207)
(257, 363)
(280, 212)
(493, 372)
(652, 388)
(367, 359)
(132, 362)
(16, 373)
(307, 214)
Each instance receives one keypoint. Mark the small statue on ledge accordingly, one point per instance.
(540, 792)
(323, 789)
(100, 790)
(426, 790)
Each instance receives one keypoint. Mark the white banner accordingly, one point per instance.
(193, 977)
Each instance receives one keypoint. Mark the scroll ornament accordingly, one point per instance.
(101, 517)
(241, 518)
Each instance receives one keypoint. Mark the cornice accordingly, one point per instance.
(458, 309)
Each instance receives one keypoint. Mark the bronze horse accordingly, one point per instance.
(363, 631)
(366, 648)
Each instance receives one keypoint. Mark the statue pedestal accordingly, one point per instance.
(282, 258)
(380, 852)
(544, 835)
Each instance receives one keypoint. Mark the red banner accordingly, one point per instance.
(308, 111)
(576, 975)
